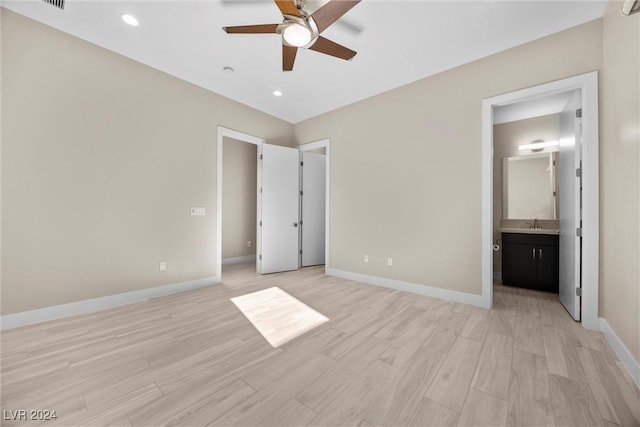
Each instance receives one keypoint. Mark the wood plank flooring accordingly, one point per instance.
(385, 358)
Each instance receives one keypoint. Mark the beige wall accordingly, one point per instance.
(102, 158)
(620, 177)
(406, 170)
(506, 138)
(238, 198)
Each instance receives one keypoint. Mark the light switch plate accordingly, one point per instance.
(198, 211)
(162, 266)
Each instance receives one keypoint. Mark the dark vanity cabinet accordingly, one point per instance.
(530, 261)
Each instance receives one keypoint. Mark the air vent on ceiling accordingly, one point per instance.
(56, 3)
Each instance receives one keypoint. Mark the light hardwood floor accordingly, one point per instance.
(385, 358)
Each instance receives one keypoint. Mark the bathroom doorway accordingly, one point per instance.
(582, 231)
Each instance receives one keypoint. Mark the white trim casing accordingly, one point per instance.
(623, 353)
(238, 259)
(240, 136)
(487, 204)
(326, 143)
(588, 86)
(15, 320)
(430, 291)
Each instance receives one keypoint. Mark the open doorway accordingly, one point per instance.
(536, 197)
(576, 229)
(239, 210)
(232, 137)
(314, 203)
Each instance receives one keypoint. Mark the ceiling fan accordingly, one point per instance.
(302, 30)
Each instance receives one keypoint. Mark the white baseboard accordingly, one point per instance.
(623, 353)
(455, 296)
(238, 259)
(15, 320)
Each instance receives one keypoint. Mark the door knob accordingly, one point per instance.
(295, 224)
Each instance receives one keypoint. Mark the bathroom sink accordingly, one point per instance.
(529, 230)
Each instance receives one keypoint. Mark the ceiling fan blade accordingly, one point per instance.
(288, 57)
(252, 29)
(331, 12)
(288, 7)
(328, 47)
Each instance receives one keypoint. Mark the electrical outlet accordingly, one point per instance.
(198, 211)
(366, 258)
(162, 266)
(248, 243)
(389, 261)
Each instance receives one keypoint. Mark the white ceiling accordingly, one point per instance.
(400, 42)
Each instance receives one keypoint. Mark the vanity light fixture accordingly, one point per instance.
(538, 145)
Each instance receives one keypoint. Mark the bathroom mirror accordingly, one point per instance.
(529, 186)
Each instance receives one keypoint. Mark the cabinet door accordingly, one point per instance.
(519, 265)
(548, 268)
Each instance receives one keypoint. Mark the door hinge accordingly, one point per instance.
(300, 222)
(579, 113)
(554, 194)
(579, 232)
(301, 163)
(260, 223)
(300, 251)
(260, 256)
(578, 292)
(260, 156)
(578, 172)
(301, 192)
(260, 190)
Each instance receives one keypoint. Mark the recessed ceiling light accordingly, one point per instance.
(130, 19)
(277, 93)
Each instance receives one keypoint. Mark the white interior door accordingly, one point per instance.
(313, 208)
(278, 224)
(569, 197)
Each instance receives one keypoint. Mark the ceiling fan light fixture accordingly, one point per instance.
(297, 35)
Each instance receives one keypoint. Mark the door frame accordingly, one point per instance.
(326, 143)
(244, 137)
(588, 86)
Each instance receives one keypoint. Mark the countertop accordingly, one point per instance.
(529, 230)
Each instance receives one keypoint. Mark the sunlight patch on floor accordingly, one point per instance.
(278, 316)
